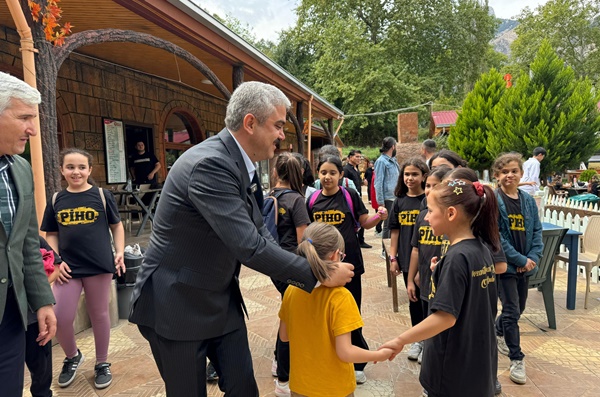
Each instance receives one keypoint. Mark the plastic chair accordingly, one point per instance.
(590, 255)
(541, 280)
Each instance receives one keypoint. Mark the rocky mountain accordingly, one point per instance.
(505, 35)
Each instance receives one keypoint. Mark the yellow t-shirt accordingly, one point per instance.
(313, 321)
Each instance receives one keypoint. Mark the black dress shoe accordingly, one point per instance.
(365, 245)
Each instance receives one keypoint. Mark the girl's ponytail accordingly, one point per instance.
(485, 222)
(319, 241)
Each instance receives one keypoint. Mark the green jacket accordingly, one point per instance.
(21, 252)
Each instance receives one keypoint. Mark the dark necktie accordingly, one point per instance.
(258, 194)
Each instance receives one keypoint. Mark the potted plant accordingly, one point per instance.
(586, 175)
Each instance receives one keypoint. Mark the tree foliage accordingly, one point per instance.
(469, 138)
(572, 29)
(553, 109)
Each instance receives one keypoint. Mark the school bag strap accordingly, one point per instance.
(315, 195)
(270, 212)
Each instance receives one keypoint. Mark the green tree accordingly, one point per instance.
(469, 137)
(571, 27)
(553, 109)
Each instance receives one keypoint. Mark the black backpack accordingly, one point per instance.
(270, 212)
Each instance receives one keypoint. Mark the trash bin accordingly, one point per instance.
(126, 283)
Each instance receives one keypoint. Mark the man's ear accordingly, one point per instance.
(249, 122)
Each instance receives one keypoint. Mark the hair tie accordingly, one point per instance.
(479, 188)
(309, 240)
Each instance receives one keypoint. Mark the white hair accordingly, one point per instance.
(13, 88)
(256, 98)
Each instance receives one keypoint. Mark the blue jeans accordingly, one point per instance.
(513, 290)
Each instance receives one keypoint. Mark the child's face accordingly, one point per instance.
(329, 176)
(413, 178)
(431, 182)
(436, 215)
(509, 176)
(76, 169)
(441, 161)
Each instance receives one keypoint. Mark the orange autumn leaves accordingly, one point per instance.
(49, 17)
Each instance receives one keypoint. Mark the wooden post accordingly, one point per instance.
(310, 129)
(35, 142)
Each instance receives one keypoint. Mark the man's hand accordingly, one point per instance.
(341, 276)
(46, 324)
(64, 275)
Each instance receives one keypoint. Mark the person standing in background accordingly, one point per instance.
(352, 172)
(387, 171)
(428, 149)
(143, 166)
(530, 182)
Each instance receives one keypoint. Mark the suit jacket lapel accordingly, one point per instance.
(18, 177)
(236, 154)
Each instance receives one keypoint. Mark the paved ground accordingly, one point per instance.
(565, 362)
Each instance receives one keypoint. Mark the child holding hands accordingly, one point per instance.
(318, 325)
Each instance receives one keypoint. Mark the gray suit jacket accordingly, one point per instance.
(206, 224)
(21, 252)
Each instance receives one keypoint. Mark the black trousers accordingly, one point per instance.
(415, 308)
(12, 353)
(356, 336)
(513, 291)
(182, 364)
(39, 362)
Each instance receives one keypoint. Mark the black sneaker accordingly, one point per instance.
(365, 245)
(211, 373)
(69, 369)
(497, 388)
(102, 375)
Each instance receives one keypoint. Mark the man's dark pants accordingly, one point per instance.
(39, 362)
(12, 353)
(386, 229)
(513, 292)
(182, 364)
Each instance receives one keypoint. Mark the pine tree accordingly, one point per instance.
(469, 138)
(551, 109)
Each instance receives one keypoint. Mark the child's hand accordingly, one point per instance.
(383, 214)
(64, 276)
(119, 264)
(411, 290)
(434, 262)
(394, 269)
(383, 354)
(395, 345)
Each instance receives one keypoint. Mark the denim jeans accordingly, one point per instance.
(513, 291)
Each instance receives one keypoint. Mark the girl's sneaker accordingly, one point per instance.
(274, 368)
(282, 389)
(69, 369)
(414, 351)
(102, 375)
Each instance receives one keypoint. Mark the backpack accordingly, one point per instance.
(315, 195)
(270, 212)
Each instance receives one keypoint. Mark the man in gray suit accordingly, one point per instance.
(23, 283)
(187, 300)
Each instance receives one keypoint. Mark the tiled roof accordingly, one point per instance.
(444, 118)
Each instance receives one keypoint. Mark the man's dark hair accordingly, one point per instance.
(354, 152)
(388, 143)
(539, 150)
(429, 145)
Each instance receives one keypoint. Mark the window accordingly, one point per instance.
(181, 133)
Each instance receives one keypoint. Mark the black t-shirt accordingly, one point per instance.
(292, 213)
(82, 226)
(335, 211)
(429, 246)
(404, 215)
(463, 360)
(516, 222)
(351, 173)
(143, 164)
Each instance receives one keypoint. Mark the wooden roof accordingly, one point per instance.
(186, 25)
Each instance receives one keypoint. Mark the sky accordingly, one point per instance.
(268, 17)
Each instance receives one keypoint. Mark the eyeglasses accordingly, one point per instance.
(342, 256)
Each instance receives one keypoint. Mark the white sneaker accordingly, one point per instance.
(282, 389)
(502, 346)
(414, 351)
(517, 372)
(360, 377)
(274, 368)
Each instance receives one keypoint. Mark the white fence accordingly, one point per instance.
(566, 219)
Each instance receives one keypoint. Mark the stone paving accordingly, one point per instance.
(562, 362)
